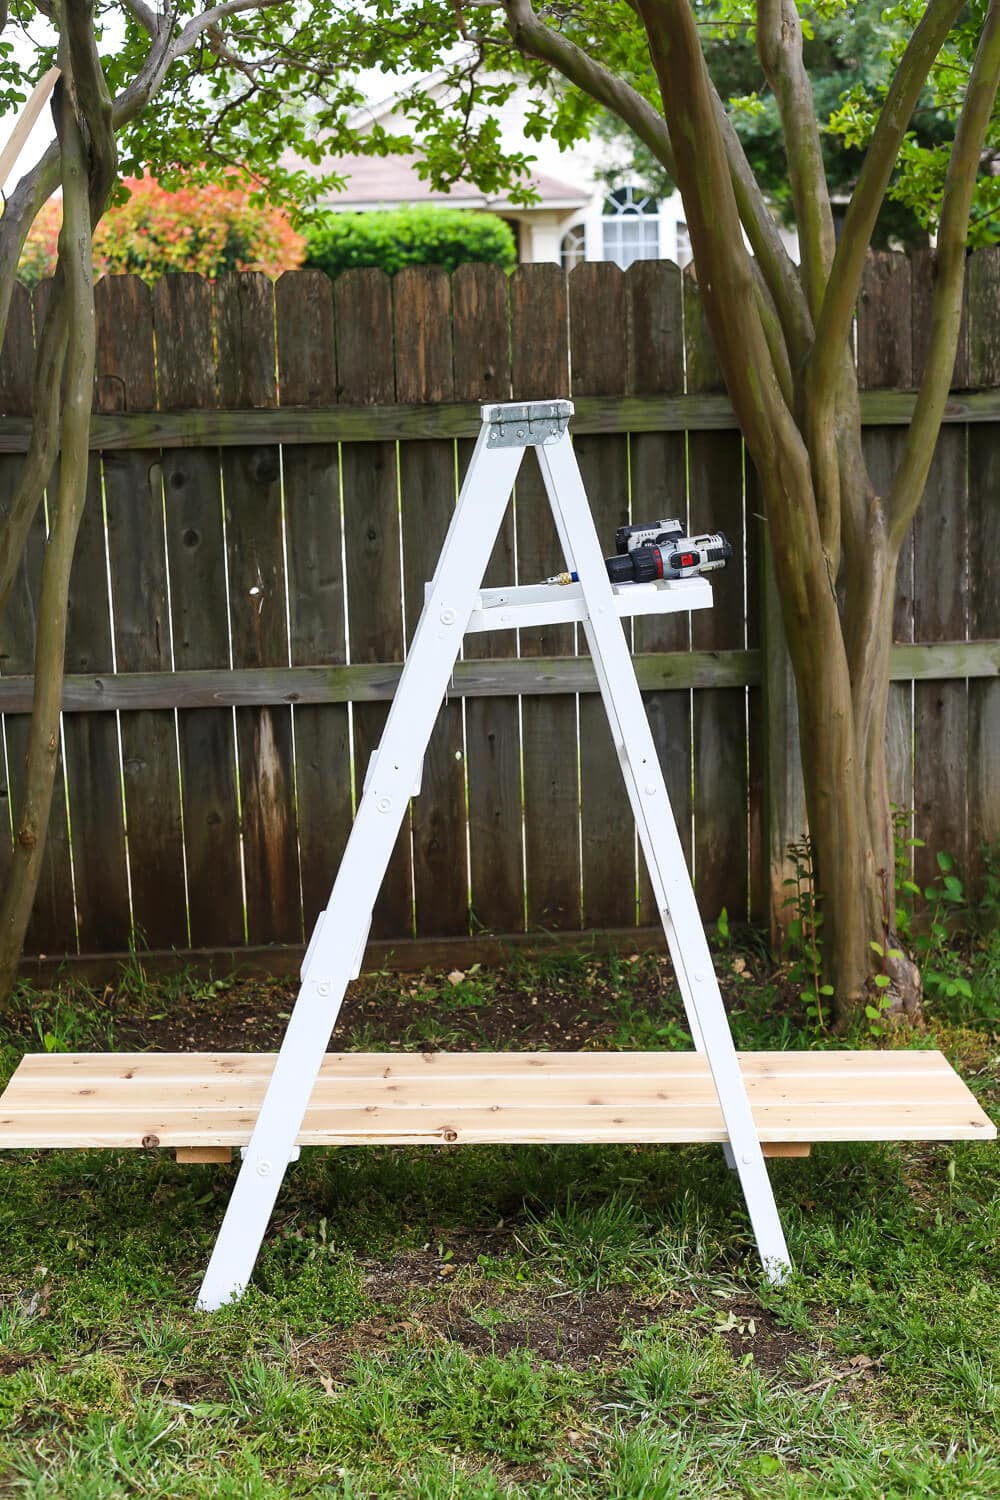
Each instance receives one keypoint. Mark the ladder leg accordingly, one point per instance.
(330, 961)
(661, 844)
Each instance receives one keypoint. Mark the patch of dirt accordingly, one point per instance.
(565, 1006)
(11, 1363)
(756, 1331)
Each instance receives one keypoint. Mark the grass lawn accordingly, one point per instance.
(486, 1322)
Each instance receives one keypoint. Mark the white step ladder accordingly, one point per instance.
(455, 604)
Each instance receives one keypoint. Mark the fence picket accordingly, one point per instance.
(599, 363)
(540, 368)
(363, 318)
(492, 725)
(421, 299)
(93, 764)
(133, 490)
(251, 481)
(192, 489)
(718, 728)
(984, 549)
(307, 377)
(658, 462)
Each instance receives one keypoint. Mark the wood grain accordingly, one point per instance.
(597, 304)
(493, 724)
(211, 1100)
(251, 482)
(93, 762)
(307, 374)
(133, 495)
(658, 462)
(549, 746)
(422, 319)
(366, 376)
(192, 491)
(718, 720)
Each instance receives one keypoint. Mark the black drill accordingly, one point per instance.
(659, 549)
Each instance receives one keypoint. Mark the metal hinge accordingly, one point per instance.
(527, 424)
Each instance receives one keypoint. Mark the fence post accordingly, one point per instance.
(784, 814)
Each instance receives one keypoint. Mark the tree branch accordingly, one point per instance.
(533, 38)
(776, 264)
(725, 272)
(779, 46)
(144, 14)
(199, 24)
(949, 276)
(833, 325)
(90, 90)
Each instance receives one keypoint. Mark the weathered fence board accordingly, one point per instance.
(133, 491)
(365, 374)
(658, 462)
(307, 375)
(422, 321)
(196, 558)
(599, 363)
(984, 549)
(251, 483)
(718, 727)
(540, 367)
(492, 724)
(282, 476)
(93, 763)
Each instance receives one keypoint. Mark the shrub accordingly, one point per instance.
(208, 229)
(394, 238)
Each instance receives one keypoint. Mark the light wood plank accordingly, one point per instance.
(380, 1065)
(211, 1100)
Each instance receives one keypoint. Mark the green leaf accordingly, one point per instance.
(872, 1013)
(877, 948)
(944, 861)
(882, 981)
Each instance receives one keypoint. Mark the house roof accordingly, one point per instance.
(385, 180)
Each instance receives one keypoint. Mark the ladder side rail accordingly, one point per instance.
(657, 875)
(651, 806)
(332, 960)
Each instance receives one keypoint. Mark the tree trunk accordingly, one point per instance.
(88, 166)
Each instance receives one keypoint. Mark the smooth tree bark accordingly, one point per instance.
(783, 341)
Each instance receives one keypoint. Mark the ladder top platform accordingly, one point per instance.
(394, 1098)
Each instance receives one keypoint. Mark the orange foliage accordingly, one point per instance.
(208, 229)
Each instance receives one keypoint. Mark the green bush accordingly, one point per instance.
(394, 238)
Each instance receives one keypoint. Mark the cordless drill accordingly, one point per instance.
(659, 549)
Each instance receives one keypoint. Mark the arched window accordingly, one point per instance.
(631, 226)
(573, 248)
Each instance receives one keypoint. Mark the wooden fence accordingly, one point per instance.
(274, 468)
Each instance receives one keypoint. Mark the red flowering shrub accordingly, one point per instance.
(208, 229)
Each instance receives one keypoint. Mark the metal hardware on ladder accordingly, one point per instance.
(527, 424)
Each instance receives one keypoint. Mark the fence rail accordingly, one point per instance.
(273, 471)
